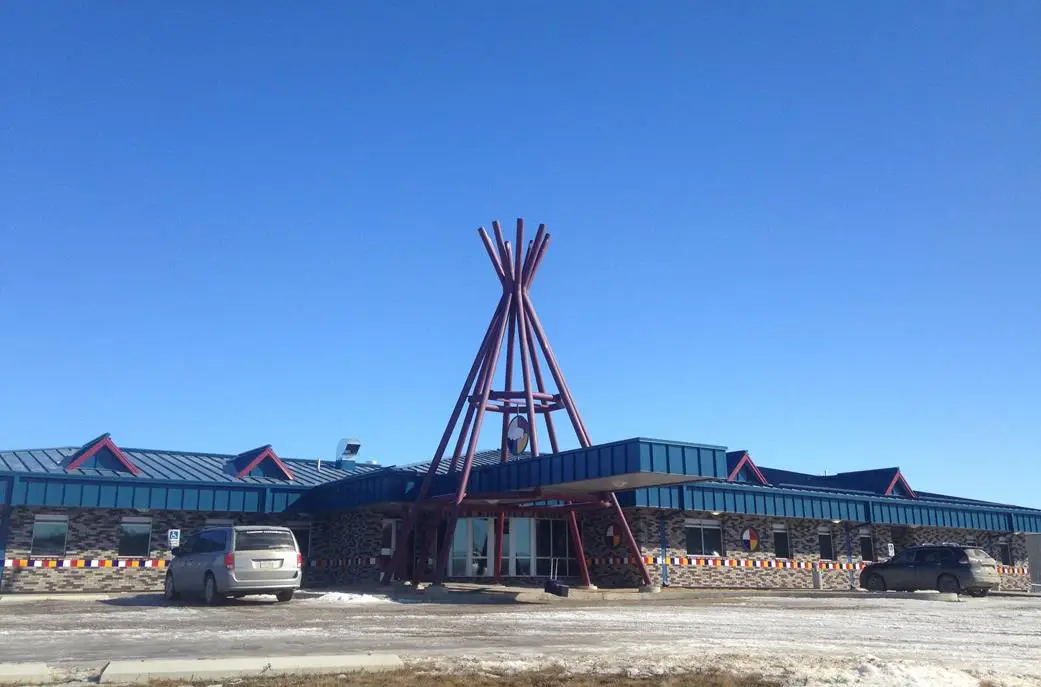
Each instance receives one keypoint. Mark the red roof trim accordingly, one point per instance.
(746, 460)
(899, 478)
(267, 453)
(88, 451)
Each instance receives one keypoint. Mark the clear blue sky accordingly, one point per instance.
(808, 230)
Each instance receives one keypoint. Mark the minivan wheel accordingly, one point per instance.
(875, 583)
(948, 584)
(285, 596)
(209, 592)
(979, 592)
(169, 591)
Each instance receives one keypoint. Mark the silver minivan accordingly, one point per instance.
(236, 561)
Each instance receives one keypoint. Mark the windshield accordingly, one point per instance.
(264, 540)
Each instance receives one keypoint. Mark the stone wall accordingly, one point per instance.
(347, 546)
(94, 535)
(611, 568)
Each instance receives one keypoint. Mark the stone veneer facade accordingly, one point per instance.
(94, 534)
(803, 543)
(346, 545)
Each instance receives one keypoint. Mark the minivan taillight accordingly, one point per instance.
(299, 560)
(229, 561)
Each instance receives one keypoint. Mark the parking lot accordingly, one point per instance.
(865, 641)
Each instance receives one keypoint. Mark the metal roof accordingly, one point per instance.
(179, 466)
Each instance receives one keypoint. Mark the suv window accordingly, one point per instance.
(934, 557)
(264, 540)
(979, 556)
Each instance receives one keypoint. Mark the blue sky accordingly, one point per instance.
(807, 230)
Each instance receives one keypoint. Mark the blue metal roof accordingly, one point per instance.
(179, 466)
(867, 481)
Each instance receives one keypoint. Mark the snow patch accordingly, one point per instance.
(348, 598)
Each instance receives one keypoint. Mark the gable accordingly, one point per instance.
(101, 454)
(742, 469)
(260, 462)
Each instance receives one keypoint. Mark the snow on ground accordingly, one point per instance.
(346, 598)
(870, 641)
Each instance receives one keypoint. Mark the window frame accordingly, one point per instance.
(821, 533)
(47, 519)
(1005, 547)
(701, 525)
(129, 520)
(783, 531)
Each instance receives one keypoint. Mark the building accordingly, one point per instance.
(99, 517)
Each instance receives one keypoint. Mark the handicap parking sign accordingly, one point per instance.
(174, 538)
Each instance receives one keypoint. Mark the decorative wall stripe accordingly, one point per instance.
(684, 561)
(340, 562)
(678, 561)
(62, 563)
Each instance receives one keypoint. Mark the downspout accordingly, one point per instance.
(664, 554)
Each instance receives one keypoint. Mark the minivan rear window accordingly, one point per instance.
(264, 540)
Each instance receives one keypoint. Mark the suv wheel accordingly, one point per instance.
(169, 591)
(948, 584)
(875, 583)
(210, 595)
(285, 596)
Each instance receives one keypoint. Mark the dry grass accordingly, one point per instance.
(540, 678)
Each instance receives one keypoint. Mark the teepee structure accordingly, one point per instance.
(523, 400)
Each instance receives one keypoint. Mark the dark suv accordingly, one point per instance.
(955, 569)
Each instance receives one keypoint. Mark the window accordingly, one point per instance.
(135, 538)
(1004, 552)
(827, 546)
(867, 545)
(553, 555)
(782, 548)
(389, 536)
(50, 535)
(302, 533)
(211, 541)
(934, 557)
(704, 538)
(264, 540)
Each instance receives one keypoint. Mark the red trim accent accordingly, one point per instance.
(746, 460)
(898, 477)
(104, 441)
(268, 452)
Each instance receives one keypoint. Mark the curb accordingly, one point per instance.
(24, 673)
(142, 672)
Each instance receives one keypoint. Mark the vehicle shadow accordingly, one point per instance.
(157, 600)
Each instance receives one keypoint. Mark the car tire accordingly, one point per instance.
(210, 595)
(285, 596)
(170, 593)
(948, 584)
(979, 593)
(875, 583)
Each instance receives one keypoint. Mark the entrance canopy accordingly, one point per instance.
(568, 475)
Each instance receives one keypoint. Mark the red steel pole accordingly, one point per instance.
(398, 564)
(442, 563)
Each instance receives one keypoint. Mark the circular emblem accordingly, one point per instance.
(612, 537)
(517, 435)
(750, 539)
